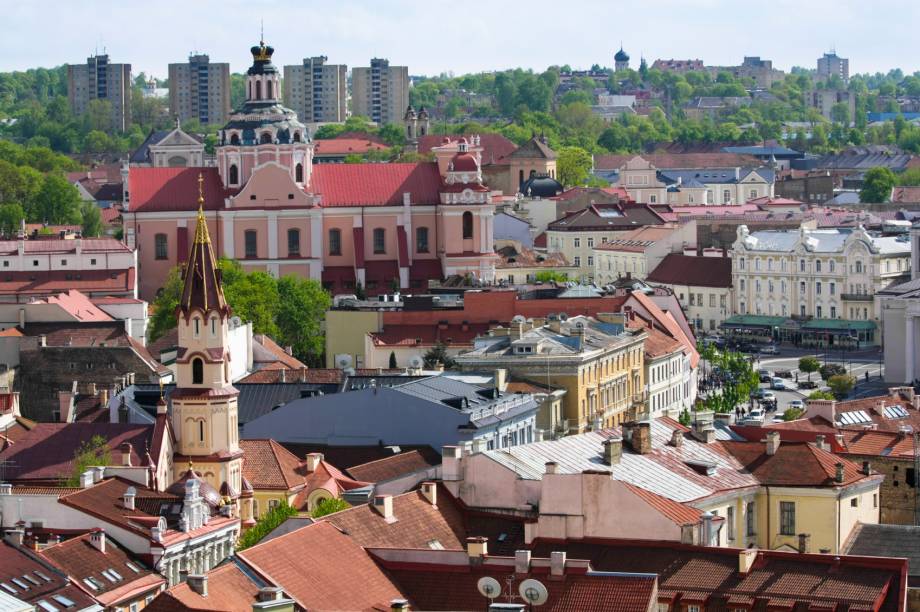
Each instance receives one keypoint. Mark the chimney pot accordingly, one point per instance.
(269, 594)
(128, 498)
(613, 450)
(521, 561)
(126, 449)
(677, 438)
(557, 563)
(198, 583)
(551, 467)
(15, 536)
(477, 547)
(773, 442)
(97, 539)
(313, 460)
(86, 479)
(821, 442)
(838, 476)
(430, 492)
(383, 504)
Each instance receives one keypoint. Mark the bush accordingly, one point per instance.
(792, 414)
(841, 385)
(329, 505)
(832, 369)
(820, 395)
(265, 525)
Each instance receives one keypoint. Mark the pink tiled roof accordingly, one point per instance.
(161, 189)
(78, 305)
(376, 184)
(88, 281)
(346, 146)
(56, 245)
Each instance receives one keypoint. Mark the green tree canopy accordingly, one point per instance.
(93, 452)
(877, 185)
(573, 165)
(330, 505)
(91, 219)
(841, 385)
(301, 308)
(266, 524)
(809, 364)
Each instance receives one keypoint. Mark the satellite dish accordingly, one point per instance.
(533, 592)
(235, 322)
(563, 316)
(416, 361)
(343, 361)
(518, 319)
(489, 587)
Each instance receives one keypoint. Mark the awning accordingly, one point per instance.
(753, 321)
(838, 325)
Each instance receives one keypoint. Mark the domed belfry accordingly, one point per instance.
(204, 403)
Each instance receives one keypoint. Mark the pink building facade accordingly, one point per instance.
(268, 206)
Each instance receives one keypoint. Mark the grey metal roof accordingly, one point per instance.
(255, 399)
(887, 541)
(821, 241)
(663, 471)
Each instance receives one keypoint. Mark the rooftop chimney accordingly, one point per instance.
(557, 563)
(677, 438)
(613, 450)
(313, 461)
(521, 561)
(103, 397)
(430, 492)
(867, 468)
(15, 536)
(97, 539)
(383, 504)
(450, 463)
(270, 593)
(128, 498)
(773, 442)
(86, 479)
(706, 529)
(746, 558)
(838, 474)
(477, 547)
(804, 538)
(198, 583)
(551, 467)
(98, 473)
(827, 409)
(641, 439)
(125, 449)
(879, 407)
(821, 442)
(839, 439)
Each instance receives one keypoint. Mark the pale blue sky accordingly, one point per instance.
(434, 36)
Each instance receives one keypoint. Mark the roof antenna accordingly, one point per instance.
(262, 31)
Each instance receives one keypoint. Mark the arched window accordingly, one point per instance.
(335, 241)
(258, 90)
(467, 225)
(293, 236)
(213, 326)
(296, 137)
(234, 175)
(298, 173)
(235, 139)
(197, 371)
(268, 89)
(250, 90)
(265, 138)
(201, 431)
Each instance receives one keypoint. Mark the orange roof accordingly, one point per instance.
(346, 146)
(667, 320)
(321, 568)
(793, 464)
(680, 514)
(879, 443)
(78, 305)
(268, 465)
(279, 353)
(229, 589)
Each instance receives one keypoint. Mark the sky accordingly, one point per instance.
(436, 36)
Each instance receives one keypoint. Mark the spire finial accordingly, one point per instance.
(262, 32)
(200, 190)
(201, 229)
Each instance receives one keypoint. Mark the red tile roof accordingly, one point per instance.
(376, 184)
(64, 246)
(676, 269)
(26, 283)
(277, 352)
(78, 305)
(230, 589)
(879, 443)
(45, 454)
(81, 560)
(327, 477)
(346, 146)
(28, 568)
(171, 189)
(795, 464)
(495, 147)
(408, 335)
(389, 468)
(321, 568)
(418, 524)
(680, 514)
(268, 465)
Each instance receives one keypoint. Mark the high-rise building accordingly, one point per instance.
(100, 80)
(200, 90)
(380, 92)
(317, 91)
(830, 65)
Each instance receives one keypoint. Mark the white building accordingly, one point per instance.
(638, 252)
(899, 308)
(825, 279)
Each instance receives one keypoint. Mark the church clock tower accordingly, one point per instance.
(204, 403)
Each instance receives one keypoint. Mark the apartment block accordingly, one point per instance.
(380, 91)
(98, 79)
(317, 91)
(830, 64)
(200, 89)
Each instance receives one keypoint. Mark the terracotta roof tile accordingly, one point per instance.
(27, 283)
(346, 146)
(680, 514)
(676, 269)
(376, 184)
(794, 464)
(268, 465)
(172, 189)
(279, 354)
(19, 563)
(390, 467)
(230, 589)
(320, 567)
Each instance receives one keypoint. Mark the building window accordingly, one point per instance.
(741, 263)
(251, 240)
(379, 240)
(750, 519)
(577, 261)
(590, 243)
(801, 265)
(859, 267)
(234, 175)
(802, 288)
(258, 90)
(786, 518)
(197, 371)
(590, 260)
(421, 240)
(817, 265)
(818, 288)
(298, 173)
(160, 250)
(234, 140)
(578, 243)
(730, 521)
(265, 138)
(802, 310)
(818, 312)
(726, 196)
(467, 225)
(335, 242)
(833, 288)
(201, 431)
(833, 312)
(742, 284)
(293, 242)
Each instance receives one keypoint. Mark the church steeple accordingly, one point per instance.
(202, 288)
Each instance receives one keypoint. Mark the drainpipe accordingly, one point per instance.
(769, 511)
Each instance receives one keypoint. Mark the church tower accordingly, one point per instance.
(204, 403)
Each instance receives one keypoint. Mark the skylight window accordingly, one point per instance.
(109, 576)
(31, 579)
(133, 567)
(22, 585)
(63, 601)
(854, 417)
(435, 545)
(42, 575)
(8, 588)
(895, 412)
(92, 583)
(44, 605)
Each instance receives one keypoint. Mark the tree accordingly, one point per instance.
(791, 414)
(438, 355)
(820, 395)
(57, 202)
(11, 217)
(253, 297)
(164, 306)
(92, 220)
(267, 523)
(93, 452)
(96, 141)
(573, 165)
(302, 307)
(841, 385)
(392, 364)
(392, 134)
(329, 505)
(99, 115)
(809, 364)
(877, 185)
(739, 379)
(910, 177)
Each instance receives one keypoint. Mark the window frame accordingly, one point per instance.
(421, 240)
(787, 518)
(253, 236)
(160, 246)
(293, 232)
(380, 241)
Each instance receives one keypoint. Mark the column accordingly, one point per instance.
(909, 348)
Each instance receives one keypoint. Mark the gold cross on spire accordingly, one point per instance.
(201, 229)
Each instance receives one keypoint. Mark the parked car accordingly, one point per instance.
(768, 397)
(778, 384)
(783, 373)
(764, 375)
(769, 349)
(808, 384)
(757, 415)
(797, 404)
(758, 393)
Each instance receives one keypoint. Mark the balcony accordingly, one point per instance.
(857, 297)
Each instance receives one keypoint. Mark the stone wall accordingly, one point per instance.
(898, 490)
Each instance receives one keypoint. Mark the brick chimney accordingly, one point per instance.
(97, 539)
(804, 540)
(827, 409)
(838, 473)
(477, 547)
(773, 442)
(429, 491)
(557, 563)
(313, 461)
(641, 439)
(383, 504)
(269, 594)
(613, 450)
(677, 438)
(198, 583)
(521, 561)
(126, 449)
(746, 558)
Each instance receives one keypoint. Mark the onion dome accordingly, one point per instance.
(541, 186)
(227, 492)
(621, 56)
(210, 495)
